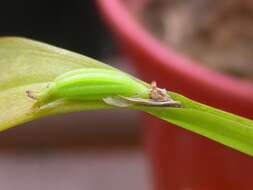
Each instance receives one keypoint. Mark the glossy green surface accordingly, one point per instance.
(92, 84)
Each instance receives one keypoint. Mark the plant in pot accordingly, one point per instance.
(37, 80)
(203, 164)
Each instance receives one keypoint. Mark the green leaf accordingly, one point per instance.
(27, 64)
(223, 127)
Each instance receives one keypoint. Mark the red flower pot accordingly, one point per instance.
(180, 159)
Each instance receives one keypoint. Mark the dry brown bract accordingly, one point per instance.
(158, 94)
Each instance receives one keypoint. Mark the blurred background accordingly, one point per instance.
(103, 149)
(94, 150)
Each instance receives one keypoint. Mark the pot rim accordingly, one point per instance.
(134, 35)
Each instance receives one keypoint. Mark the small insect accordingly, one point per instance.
(158, 94)
(96, 84)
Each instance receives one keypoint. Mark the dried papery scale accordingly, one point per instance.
(149, 102)
(29, 94)
(158, 94)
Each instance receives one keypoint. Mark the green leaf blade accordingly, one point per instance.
(225, 128)
(29, 65)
